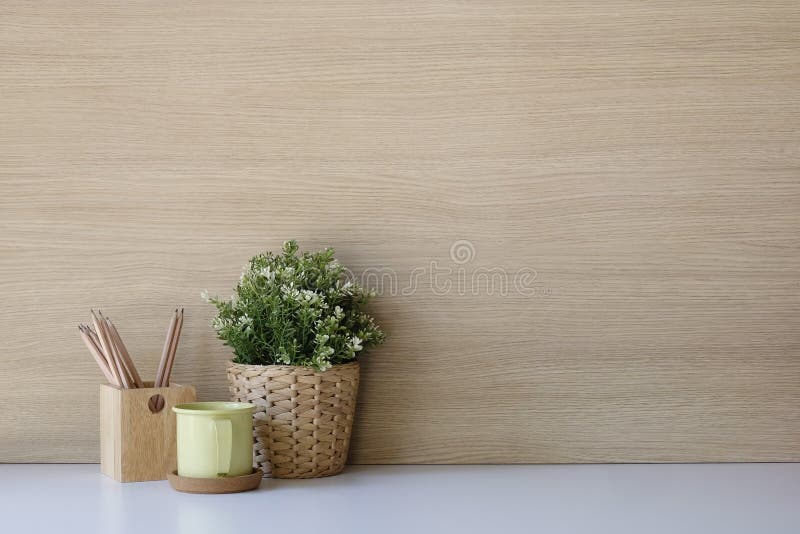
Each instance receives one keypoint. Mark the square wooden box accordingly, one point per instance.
(135, 443)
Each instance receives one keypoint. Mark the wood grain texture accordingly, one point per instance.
(642, 158)
(136, 443)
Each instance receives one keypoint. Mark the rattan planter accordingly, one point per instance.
(303, 418)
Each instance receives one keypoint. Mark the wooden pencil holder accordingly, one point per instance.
(137, 440)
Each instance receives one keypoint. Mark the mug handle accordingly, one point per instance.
(224, 434)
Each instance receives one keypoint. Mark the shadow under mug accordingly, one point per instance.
(215, 439)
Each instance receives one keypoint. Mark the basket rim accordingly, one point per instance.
(232, 363)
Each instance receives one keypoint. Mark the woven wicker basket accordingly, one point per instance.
(303, 417)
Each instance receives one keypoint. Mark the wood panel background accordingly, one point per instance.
(641, 158)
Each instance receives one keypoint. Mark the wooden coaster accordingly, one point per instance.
(215, 485)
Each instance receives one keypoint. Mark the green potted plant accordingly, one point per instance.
(295, 324)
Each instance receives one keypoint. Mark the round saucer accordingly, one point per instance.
(215, 485)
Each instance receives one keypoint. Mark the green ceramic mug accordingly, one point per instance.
(215, 439)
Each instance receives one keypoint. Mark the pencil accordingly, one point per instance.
(106, 350)
(101, 362)
(93, 336)
(173, 349)
(123, 352)
(162, 365)
(105, 339)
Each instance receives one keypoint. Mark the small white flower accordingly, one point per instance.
(267, 273)
(356, 343)
(338, 311)
(289, 291)
(309, 296)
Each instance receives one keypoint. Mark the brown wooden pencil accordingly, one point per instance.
(108, 357)
(116, 339)
(95, 352)
(173, 349)
(93, 336)
(117, 358)
(114, 353)
(108, 348)
(165, 352)
(109, 363)
(105, 349)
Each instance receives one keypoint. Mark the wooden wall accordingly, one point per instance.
(639, 160)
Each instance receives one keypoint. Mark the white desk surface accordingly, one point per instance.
(641, 499)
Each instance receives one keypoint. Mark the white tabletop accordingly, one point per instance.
(702, 498)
